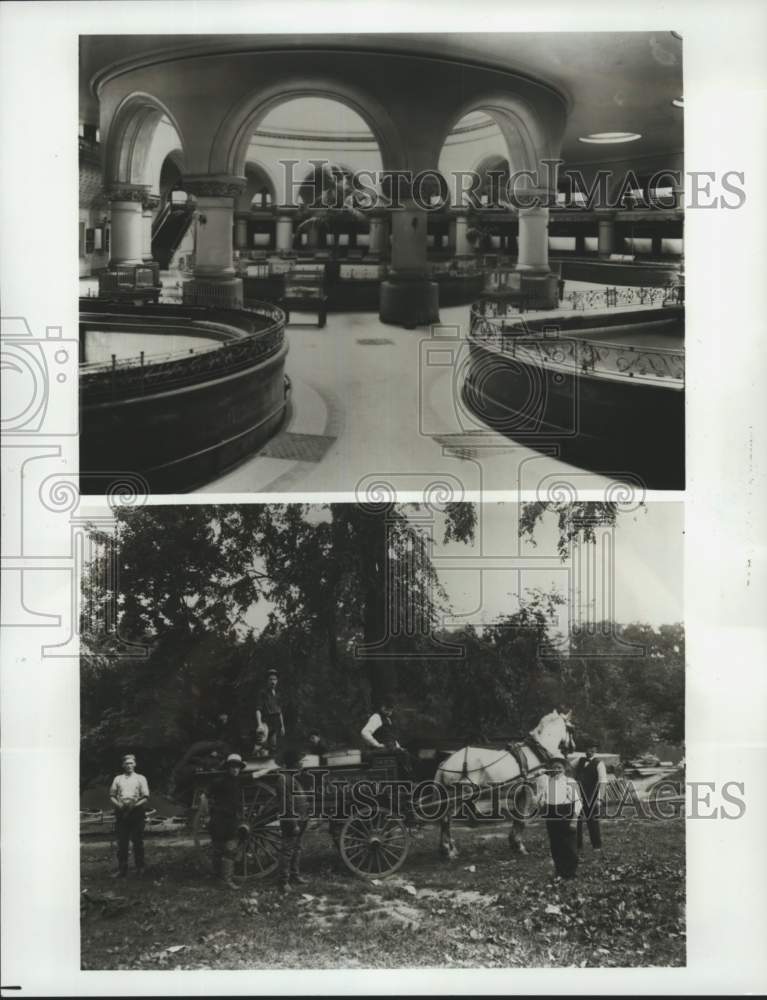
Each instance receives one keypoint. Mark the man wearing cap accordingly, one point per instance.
(129, 793)
(269, 713)
(591, 775)
(225, 819)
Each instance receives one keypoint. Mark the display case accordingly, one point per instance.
(305, 293)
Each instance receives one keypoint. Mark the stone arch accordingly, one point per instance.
(171, 173)
(525, 136)
(229, 148)
(258, 178)
(129, 140)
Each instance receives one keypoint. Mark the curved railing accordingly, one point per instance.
(255, 334)
(574, 353)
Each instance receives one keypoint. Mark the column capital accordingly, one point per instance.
(214, 185)
(128, 192)
(150, 202)
(459, 211)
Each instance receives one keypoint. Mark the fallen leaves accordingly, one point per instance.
(626, 909)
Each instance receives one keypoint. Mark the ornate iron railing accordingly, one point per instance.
(579, 355)
(257, 333)
(600, 298)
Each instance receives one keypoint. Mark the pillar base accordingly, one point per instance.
(409, 303)
(539, 289)
(202, 292)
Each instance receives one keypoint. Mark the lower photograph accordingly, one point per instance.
(383, 735)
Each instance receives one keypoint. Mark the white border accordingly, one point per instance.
(725, 595)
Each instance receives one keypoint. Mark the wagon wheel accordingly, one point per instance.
(259, 853)
(258, 850)
(374, 847)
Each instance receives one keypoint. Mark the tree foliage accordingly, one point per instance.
(351, 610)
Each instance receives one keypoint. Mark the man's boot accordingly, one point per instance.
(227, 873)
(295, 868)
(286, 859)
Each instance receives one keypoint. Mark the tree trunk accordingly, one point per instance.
(376, 639)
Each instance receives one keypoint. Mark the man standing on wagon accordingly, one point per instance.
(269, 715)
(129, 793)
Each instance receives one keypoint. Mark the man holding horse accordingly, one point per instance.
(591, 776)
(560, 801)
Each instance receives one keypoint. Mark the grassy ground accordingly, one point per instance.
(486, 909)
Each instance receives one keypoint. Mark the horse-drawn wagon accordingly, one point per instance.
(353, 797)
(356, 794)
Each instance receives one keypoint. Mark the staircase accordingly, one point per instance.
(168, 230)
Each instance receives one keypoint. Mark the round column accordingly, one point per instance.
(606, 241)
(127, 225)
(408, 297)
(379, 234)
(533, 240)
(149, 206)
(241, 232)
(538, 286)
(459, 227)
(284, 229)
(215, 282)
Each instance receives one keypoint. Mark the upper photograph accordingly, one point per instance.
(363, 263)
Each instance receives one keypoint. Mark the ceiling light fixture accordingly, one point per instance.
(605, 138)
(678, 102)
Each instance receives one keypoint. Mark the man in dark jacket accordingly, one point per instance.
(225, 819)
(270, 722)
(591, 776)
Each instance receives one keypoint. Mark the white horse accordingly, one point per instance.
(476, 771)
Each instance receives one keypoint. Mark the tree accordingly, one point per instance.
(628, 699)
(335, 208)
(341, 584)
(576, 520)
(336, 576)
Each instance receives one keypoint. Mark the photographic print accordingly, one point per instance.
(355, 736)
(302, 256)
(383, 541)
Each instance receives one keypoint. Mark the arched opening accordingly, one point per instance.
(307, 122)
(313, 147)
(483, 150)
(171, 182)
(259, 191)
(141, 137)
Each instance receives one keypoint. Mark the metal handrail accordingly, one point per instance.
(579, 354)
(144, 373)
